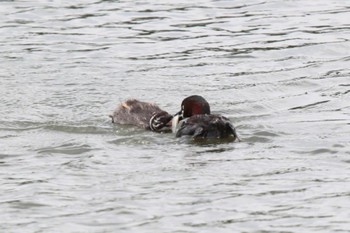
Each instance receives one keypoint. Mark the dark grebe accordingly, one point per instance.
(195, 120)
(142, 114)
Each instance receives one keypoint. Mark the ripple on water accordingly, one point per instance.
(18, 204)
(68, 148)
(78, 129)
(260, 137)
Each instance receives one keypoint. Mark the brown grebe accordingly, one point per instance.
(194, 119)
(142, 114)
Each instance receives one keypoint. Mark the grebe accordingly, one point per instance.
(194, 119)
(142, 114)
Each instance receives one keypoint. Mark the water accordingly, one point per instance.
(278, 69)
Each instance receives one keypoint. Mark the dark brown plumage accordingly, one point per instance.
(142, 114)
(196, 121)
(207, 126)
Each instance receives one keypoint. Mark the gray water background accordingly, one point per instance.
(278, 69)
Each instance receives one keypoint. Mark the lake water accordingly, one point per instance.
(278, 69)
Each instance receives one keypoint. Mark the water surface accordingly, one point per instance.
(278, 69)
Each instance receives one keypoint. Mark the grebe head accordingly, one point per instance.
(190, 106)
(160, 121)
(194, 105)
